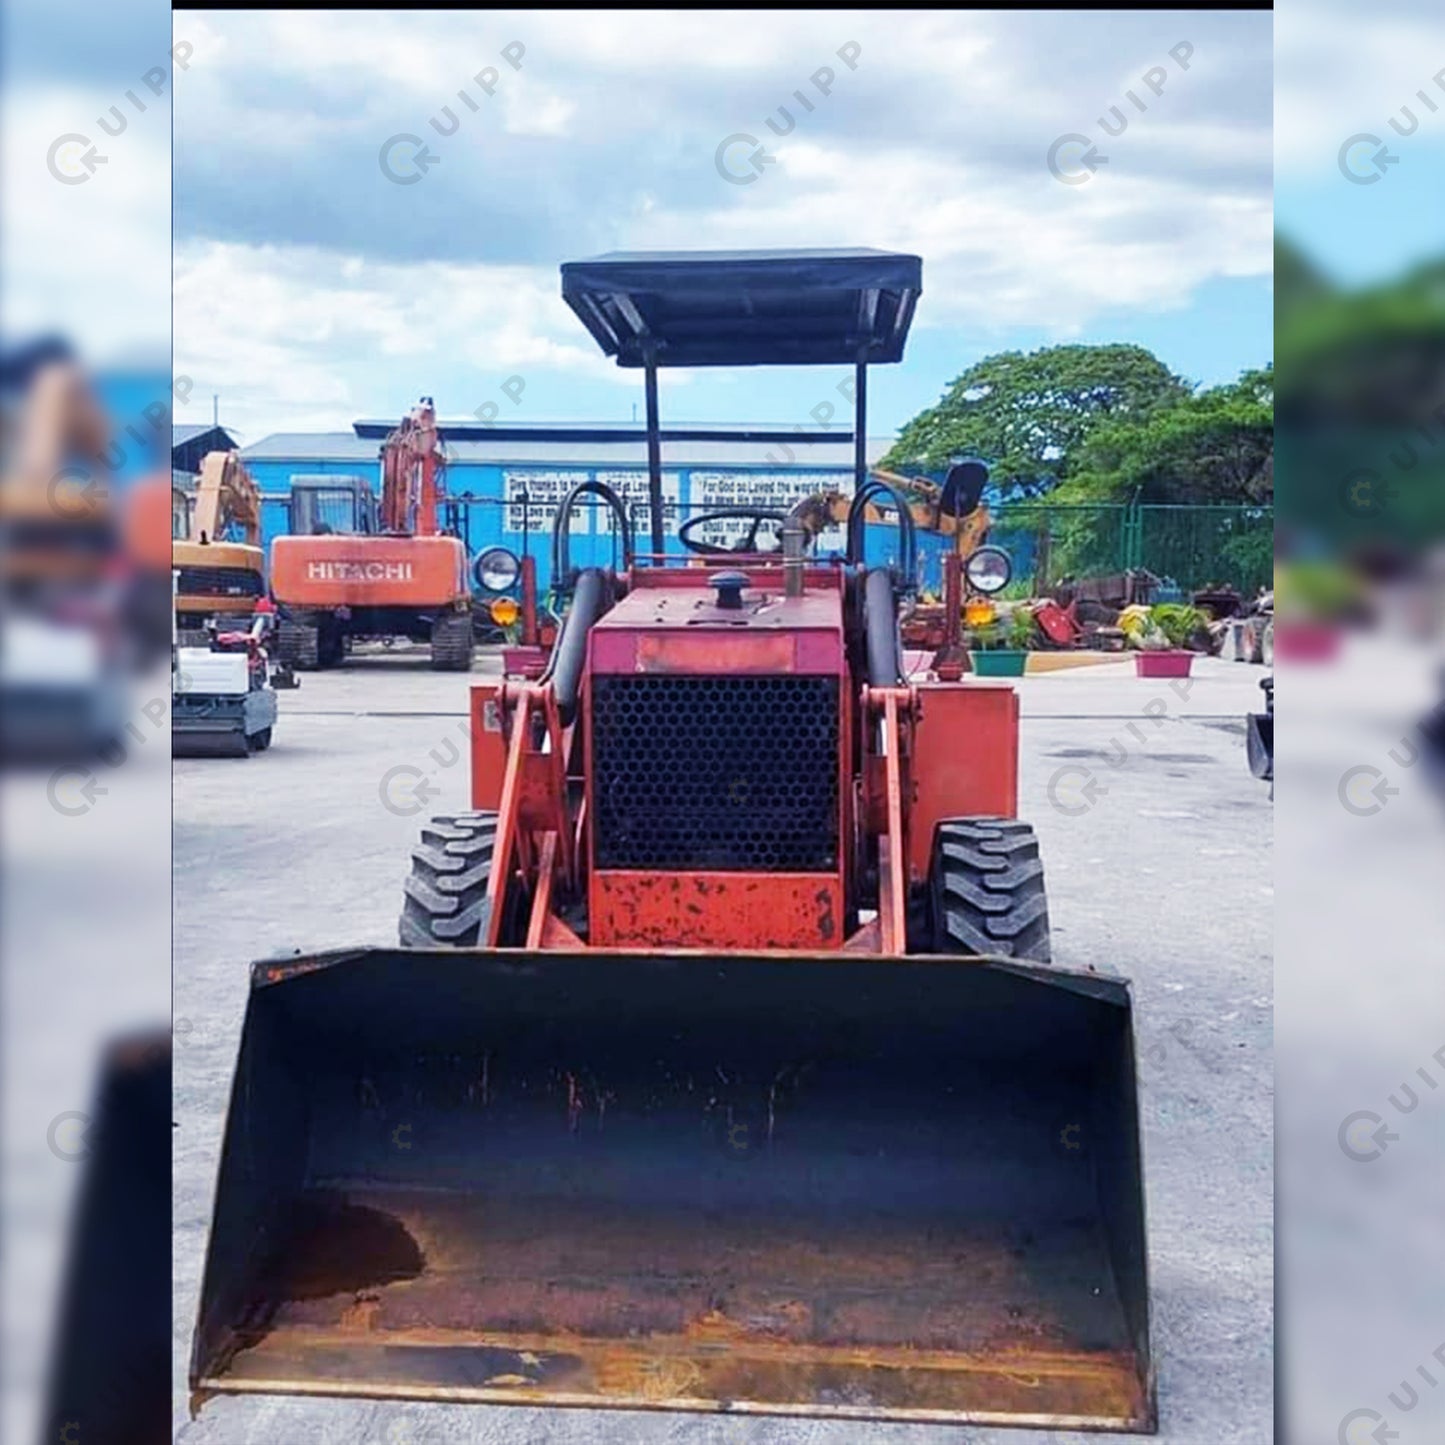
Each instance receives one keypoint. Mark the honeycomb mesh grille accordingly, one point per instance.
(716, 772)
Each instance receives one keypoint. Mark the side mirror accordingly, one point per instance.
(963, 488)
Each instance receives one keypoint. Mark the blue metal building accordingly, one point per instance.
(509, 480)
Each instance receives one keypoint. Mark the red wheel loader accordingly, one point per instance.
(400, 575)
(722, 1065)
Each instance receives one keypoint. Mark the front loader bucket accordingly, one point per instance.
(1259, 736)
(822, 1185)
(1259, 744)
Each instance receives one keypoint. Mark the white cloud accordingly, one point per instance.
(933, 142)
(296, 338)
(1336, 75)
(531, 111)
(1034, 253)
(87, 259)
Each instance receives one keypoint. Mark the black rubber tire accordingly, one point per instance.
(446, 894)
(298, 644)
(261, 741)
(451, 643)
(986, 890)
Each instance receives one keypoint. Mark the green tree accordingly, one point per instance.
(1027, 414)
(1299, 285)
(1363, 377)
(1216, 446)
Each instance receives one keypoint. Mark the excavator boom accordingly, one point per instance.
(411, 471)
(226, 496)
(926, 505)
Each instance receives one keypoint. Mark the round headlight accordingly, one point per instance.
(988, 570)
(496, 569)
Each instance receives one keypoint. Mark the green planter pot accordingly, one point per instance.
(999, 662)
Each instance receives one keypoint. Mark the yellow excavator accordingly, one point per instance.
(219, 577)
(954, 509)
(951, 510)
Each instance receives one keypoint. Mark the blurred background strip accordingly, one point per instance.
(86, 408)
(1360, 813)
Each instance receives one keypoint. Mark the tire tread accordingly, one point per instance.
(987, 890)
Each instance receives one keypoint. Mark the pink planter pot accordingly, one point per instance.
(1308, 641)
(1163, 664)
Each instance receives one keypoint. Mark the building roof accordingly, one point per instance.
(746, 308)
(339, 446)
(573, 432)
(190, 444)
(570, 445)
(180, 434)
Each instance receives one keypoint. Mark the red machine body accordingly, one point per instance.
(685, 660)
(341, 571)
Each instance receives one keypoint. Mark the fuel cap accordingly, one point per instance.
(729, 588)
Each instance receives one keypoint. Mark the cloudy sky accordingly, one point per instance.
(1339, 80)
(311, 288)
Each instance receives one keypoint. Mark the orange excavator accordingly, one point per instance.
(219, 577)
(396, 575)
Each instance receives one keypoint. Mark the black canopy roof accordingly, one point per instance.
(746, 308)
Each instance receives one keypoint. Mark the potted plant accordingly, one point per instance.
(1001, 649)
(1164, 643)
(1315, 599)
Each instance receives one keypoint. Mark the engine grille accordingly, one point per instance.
(715, 772)
(218, 582)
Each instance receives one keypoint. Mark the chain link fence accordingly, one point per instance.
(1191, 546)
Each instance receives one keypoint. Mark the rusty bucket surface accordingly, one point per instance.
(815, 1185)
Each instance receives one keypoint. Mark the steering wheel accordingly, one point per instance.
(756, 515)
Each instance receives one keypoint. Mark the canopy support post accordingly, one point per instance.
(654, 451)
(860, 420)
